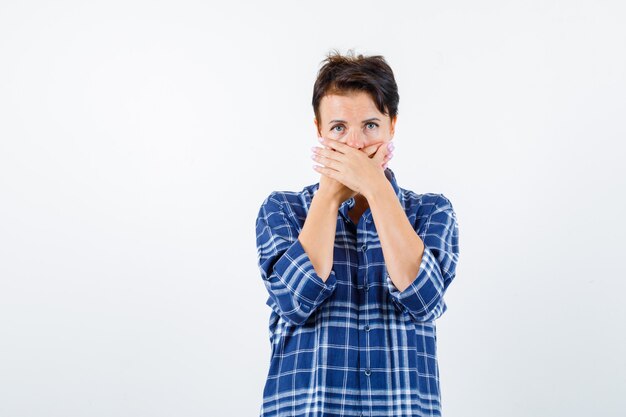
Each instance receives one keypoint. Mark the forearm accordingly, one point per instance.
(318, 233)
(402, 247)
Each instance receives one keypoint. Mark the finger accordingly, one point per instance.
(381, 152)
(321, 141)
(371, 149)
(336, 145)
(331, 173)
(386, 158)
(388, 153)
(327, 157)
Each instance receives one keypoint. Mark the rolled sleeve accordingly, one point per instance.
(294, 287)
(423, 299)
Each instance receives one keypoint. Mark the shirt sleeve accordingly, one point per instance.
(294, 288)
(423, 299)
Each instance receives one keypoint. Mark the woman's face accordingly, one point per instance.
(353, 119)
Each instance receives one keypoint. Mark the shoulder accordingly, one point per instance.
(293, 204)
(422, 207)
(425, 203)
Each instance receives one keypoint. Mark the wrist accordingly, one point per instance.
(328, 199)
(376, 188)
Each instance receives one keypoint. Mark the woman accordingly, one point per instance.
(355, 266)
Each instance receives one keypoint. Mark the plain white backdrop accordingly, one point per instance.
(139, 138)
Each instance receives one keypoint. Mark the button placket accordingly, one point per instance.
(364, 337)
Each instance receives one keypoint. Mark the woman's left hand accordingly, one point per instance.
(352, 167)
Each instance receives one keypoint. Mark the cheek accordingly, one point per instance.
(376, 135)
(334, 134)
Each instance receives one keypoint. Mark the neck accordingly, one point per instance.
(359, 200)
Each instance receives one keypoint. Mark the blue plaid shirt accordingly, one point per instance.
(353, 345)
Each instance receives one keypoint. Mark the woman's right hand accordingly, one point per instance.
(338, 190)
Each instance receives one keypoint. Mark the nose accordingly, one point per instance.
(355, 139)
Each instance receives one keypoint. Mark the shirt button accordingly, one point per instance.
(367, 328)
(368, 372)
(367, 287)
(363, 248)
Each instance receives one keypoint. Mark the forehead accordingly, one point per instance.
(349, 104)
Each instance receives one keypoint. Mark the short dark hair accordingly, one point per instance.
(343, 74)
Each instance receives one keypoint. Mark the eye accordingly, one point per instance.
(372, 123)
(335, 127)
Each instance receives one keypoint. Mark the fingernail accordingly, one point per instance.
(390, 145)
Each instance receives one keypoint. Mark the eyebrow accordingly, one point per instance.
(364, 121)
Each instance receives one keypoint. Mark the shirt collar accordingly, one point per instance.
(349, 203)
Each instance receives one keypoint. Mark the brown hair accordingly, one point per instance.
(342, 74)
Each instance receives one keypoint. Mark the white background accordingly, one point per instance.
(138, 140)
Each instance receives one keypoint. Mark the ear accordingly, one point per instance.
(316, 125)
(392, 127)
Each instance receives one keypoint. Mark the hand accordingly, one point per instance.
(347, 171)
(336, 189)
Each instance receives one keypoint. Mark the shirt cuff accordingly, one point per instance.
(297, 273)
(423, 294)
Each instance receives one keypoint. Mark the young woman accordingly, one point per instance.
(356, 266)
